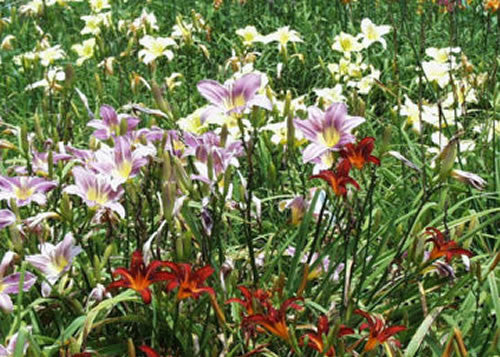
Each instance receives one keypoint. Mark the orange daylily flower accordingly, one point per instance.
(492, 5)
(360, 154)
(316, 339)
(339, 179)
(139, 277)
(272, 320)
(190, 282)
(442, 247)
(379, 333)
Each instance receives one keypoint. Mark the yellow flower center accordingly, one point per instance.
(125, 169)
(2, 287)
(23, 193)
(96, 196)
(157, 49)
(87, 51)
(346, 44)
(371, 33)
(330, 137)
(60, 263)
(284, 38)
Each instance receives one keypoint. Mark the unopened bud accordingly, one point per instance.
(446, 159)
(158, 97)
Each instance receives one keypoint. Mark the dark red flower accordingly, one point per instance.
(360, 154)
(272, 320)
(379, 333)
(339, 179)
(316, 339)
(190, 282)
(149, 351)
(251, 298)
(442, 247)
(139, 277)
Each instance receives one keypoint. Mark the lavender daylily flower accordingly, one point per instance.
(10, 284)
(6, 218)
(109, 125)
(54, 260)
(11, 347)
(95, 190)
(25, 189)
(233, 97)
(121, 162)
(327, 131)
(40, 162)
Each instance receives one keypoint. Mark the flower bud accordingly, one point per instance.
(446, 159)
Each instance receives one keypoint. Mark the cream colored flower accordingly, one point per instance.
(330, 95)
(436, 71)
(171, 81)
(155, 47)
(192, 123)
(51, 54)
(283, 35)
(249, 35)
(442, 55)
(371, 33)
(93, 23)
(84, 50)
(34, 7)
(99, 5)
(50, 84)
(143, 22)
(7, 42)
(346, 44)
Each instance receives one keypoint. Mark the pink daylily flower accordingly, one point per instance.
(233, 97)
(109, 125)
(25, 189)
(327, 131)
(96, 191)
(11, 346)
(6, 218)
(10, 284)
(121, 162)
(54, 260)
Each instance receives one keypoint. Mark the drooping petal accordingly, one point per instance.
(213, 91)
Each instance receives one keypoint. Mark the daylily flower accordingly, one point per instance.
(338, 179)
(144, 21)
(438, 72)
(155, 47)
(51, 54)
(85, 50)
(25, 189)
(140, 277)
(330, 95)
(95, 191)
(283, 35)
(443, 247)
(249, 35)
(233, 96)
(40, 162)
(379, 333)
(110, 123)
(99, 5)
(371, 33)
(253, 300)
(54, 261)
(443, 55)
(149, 351)
(6, 218)
(327, 131)
(50, 81)
(316, 339)
(360, 154)
(121, 163)
(93, 23)
(470, 178)
(346, 44)
(272, 320)
(10, 284)
(492, 5)
(190, 283)
(11, 347)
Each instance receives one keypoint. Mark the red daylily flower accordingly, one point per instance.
(339, 179)
(379, 333)
(250, 298)
(442, 247)
(360, 154)
(190, 282)
(149, 351)
(139, 277)
(316, 339)
(274, 321)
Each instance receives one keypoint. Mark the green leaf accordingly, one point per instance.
(418, 337)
